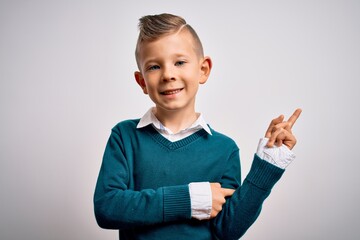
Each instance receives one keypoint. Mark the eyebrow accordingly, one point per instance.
(176, 55)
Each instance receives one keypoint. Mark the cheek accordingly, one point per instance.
(149, 88)
(150, 81)
(195, 77)
(191, 73)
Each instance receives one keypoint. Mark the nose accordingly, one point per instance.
(168, 74)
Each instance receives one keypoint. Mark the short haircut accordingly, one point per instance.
(152, 27)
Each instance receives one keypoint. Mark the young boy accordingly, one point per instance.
(169, 175)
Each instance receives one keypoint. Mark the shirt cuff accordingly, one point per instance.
(279, 156)
(201, 200)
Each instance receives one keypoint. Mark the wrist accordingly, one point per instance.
(279, 156)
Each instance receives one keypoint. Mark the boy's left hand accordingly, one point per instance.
(279, 131)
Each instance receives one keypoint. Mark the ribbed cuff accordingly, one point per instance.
(177, 203)
(263, 174)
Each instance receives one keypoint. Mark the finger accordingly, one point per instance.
(275, 121)
(277, 136)
(215, 185)
(283, 137)
(287, 139)
(279, 140)
(294, 117)
(228, 192)
(285, 125)
(290, 141)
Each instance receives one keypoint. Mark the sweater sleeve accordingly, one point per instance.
(242, 209)
(117, 206)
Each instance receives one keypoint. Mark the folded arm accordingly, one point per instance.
(118, 206)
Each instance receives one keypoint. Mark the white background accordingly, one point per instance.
(66, 78)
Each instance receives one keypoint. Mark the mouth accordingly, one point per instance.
(171, 91)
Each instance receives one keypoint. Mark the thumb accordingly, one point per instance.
(228, 192)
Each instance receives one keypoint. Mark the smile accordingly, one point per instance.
(173, 91)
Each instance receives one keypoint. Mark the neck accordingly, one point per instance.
(176, 120)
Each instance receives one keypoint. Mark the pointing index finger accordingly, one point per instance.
(294, 117)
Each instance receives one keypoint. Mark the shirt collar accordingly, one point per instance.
(150, 118)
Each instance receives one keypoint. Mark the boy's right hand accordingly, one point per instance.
(218, 197)
(279, 131)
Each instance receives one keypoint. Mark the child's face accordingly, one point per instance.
(171, 71)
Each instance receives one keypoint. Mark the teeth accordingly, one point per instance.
(171, 92)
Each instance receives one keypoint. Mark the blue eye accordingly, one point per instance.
(154, 67)
(179, 63)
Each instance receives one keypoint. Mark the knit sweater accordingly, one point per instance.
(142, 187)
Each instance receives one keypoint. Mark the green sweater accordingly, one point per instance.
(142, 188)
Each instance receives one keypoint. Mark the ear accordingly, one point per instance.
(205, 69)
(140, 80)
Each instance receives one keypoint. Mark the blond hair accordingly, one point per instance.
(152, 27)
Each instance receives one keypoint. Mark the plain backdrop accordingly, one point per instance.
(66, 78)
